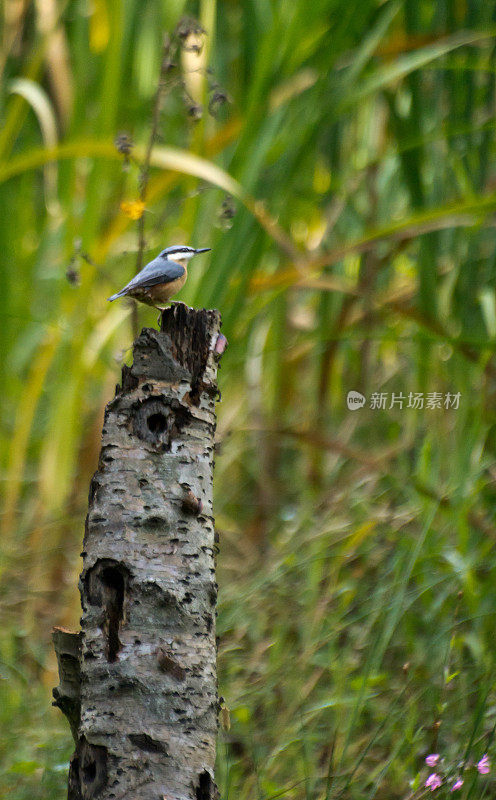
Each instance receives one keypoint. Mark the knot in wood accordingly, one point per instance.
(160, 421)
(88, 771)
(192, 504)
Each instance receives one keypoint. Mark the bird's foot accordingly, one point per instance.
(160, 312)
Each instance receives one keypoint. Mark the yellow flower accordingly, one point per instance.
(133, 208)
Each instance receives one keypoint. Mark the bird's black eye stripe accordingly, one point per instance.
(175, 251)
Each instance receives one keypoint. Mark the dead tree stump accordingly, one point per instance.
(145, 658)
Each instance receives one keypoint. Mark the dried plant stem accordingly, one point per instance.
(165, 68)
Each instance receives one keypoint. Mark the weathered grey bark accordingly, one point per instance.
(148, 689)
(67, 696)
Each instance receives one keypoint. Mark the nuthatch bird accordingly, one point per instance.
(162, 277)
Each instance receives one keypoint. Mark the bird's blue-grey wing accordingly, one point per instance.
(159, 270)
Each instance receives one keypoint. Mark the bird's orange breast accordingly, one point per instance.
(161, 292)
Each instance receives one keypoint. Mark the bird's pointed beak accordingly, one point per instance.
(202, 250)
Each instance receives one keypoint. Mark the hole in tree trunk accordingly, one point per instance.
(89, 772)
(157, 423)
(204, 790)
(113, 581)
(152, 420)
(159, 420)
(106, 583)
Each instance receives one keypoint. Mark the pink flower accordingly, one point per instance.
(457, 785)
(484, 765)
(433, 782)
(432, 760)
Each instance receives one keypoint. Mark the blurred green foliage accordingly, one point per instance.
(338, 157)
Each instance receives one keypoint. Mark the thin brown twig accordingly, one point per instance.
(165, 67)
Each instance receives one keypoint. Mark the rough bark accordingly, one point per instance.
(148, 689)
(67, 696)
